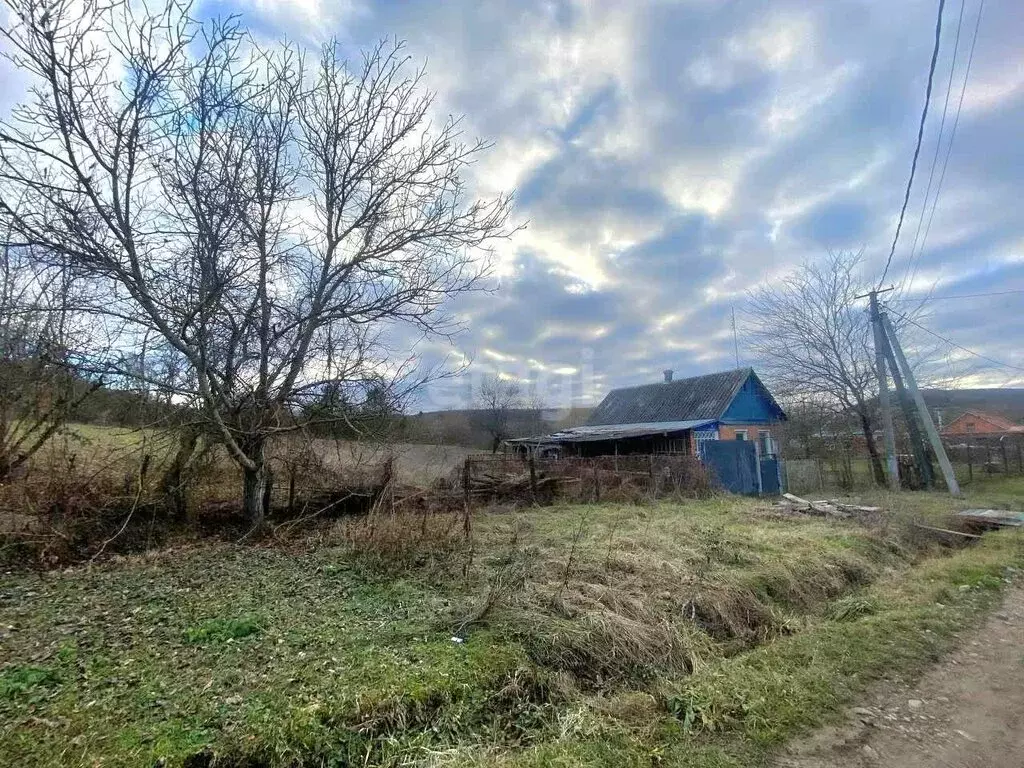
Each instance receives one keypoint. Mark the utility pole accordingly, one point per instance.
(924, 466)
(883, 392)
(922, 409)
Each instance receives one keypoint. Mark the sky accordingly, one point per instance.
(669, 157)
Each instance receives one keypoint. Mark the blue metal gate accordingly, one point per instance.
(771, 476)
(733, 464)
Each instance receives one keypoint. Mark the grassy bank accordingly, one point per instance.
(698, 633)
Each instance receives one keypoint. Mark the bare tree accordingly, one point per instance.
(498, 399)
(263, 223)
(813, 341)
(40, 386)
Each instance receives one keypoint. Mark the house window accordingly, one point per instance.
(764, 438)
(970, 427)
(741, 434)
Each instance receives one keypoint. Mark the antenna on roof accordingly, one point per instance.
(735, 339)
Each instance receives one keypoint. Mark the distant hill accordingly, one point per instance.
(467, 426)
(947, 404)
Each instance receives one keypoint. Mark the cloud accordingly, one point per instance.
(671, 156)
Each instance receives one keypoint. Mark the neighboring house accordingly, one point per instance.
(979, 423)
(673, 416)
(947, 404)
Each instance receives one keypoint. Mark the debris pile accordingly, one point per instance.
(522, 487)
(823, 507)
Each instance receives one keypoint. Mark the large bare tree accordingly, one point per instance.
(261, 221)
(812, 339)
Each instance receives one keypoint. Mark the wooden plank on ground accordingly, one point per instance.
(998, 517)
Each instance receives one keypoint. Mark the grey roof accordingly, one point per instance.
(699, 397)
(614, 431)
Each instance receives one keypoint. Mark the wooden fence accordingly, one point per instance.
(499, 477)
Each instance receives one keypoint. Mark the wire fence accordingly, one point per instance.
(974, 459)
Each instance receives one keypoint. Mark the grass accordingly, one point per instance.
(691, 634)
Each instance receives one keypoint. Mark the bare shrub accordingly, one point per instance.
(395, 541)
(63, 508)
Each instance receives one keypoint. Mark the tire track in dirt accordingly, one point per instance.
(966, 712)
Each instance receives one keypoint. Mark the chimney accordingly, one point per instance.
(668, 374)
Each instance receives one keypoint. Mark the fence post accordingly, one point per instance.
(1002, 450)
(821, 478)
(533, 479)
(467, 531)
(970, 464)
(1020, 459)
(597, 484)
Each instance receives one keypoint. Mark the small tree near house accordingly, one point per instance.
(498, 399)
(259, 218)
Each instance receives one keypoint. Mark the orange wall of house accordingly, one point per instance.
(969, 424)
(728, 431)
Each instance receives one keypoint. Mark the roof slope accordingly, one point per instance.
(1001, 424)
(699, 397)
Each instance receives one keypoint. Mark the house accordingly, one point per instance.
(981, 424)
(673, 416)
(948, 404)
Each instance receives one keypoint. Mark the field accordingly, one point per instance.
(415, 463)
(699, 633)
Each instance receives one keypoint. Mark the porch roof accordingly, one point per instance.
(599, 432)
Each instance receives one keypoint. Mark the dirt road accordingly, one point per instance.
(967, 712)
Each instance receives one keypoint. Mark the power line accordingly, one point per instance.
(952, 134)
(920, 136)
(962, 348)
(938, 141)
(960, 296)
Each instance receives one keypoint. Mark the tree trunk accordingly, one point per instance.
(877, 471)
(175, 481)
(257, 484)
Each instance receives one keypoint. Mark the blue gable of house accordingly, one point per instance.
(752, 404)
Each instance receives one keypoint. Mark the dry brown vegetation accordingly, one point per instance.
(503, 630)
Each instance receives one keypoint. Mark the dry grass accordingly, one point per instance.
(601, 634)
(621, 594)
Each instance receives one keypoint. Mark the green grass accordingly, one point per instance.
(697, 633)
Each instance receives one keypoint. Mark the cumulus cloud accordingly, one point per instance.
(671, 156)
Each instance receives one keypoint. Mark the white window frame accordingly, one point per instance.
(745, 433)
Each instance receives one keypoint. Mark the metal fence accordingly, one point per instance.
(973, 460)
(980, 457)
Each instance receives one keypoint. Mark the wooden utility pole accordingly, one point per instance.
(922, 409)
(883, 393)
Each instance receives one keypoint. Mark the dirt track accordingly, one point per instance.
(967, 711)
